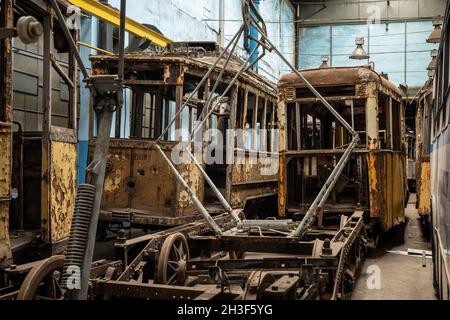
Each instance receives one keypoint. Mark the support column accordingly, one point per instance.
(372, 116)
(6, 21)
(47, 109)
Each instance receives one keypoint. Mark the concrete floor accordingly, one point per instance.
(401, 277)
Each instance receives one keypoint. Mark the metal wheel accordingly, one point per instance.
(172, 260)
(42, 282)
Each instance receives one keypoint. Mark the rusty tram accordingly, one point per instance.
(239, 254)
(374, 180)
(139, 187)
(423, 145)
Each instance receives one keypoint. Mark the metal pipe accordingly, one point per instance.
(319, 201)
(237, 35)
(311, 87)
(230, 85)
(97, 179)
(216, 191)
(221, 23)
(191, 194)
(219, 78)
(121, 63)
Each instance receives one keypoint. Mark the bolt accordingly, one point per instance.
(13, 266)
(275, 288)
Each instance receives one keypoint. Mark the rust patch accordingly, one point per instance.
(424, 189)
(386, 171)
(63, 173)
(5, 245)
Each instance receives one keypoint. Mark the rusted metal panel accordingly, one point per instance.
(63, 181)
(282, 181)
(249, 179)
(342, 76)
(191, 65)
(139, 181)
(46, 125)
(5, 245)
(194, 179)
(424, 194)
(5, 162)
(387, 182)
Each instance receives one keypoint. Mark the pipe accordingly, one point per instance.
(237, 35)
(121, 66)
(242, 69)
(319, 201)
(221, 23)
(191, 194)
(311, 87)
(216, 191)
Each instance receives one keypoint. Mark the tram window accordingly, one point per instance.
(249, 118)
(214, 127)
(259, 124)
(396, 126)
(193, 117)
(168, 114)
(384, 122)
(274, 147)
(147, 121)
(269, 125)
(240, 108)
(185, 124)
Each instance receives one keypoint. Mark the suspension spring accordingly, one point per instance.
(78, 232)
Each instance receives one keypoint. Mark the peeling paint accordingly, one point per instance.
(63, 177)
(424, 192)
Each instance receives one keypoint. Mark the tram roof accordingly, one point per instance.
(202, 62)
(337, 76)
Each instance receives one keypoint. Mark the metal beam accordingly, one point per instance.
(112, 16)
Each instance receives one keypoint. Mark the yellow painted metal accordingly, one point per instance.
(59, 191)
(95, 48)
(387, 172)
(63, 174)
(424, 189)
(112, 16)
(5, 190)
(282, 181)
(6, 20)
(5, 245)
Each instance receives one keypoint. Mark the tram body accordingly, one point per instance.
(423, 144)
(312, 141)
(139, 186)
